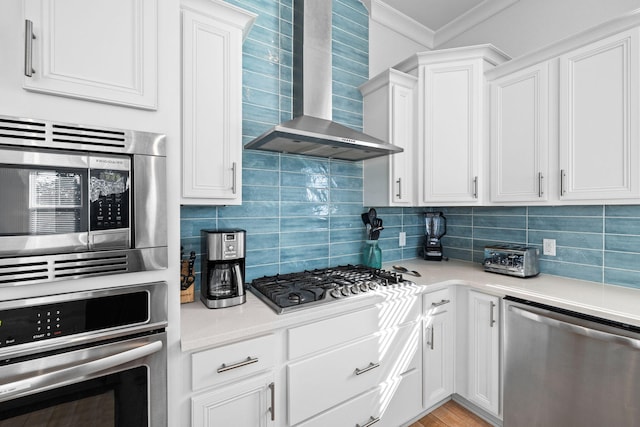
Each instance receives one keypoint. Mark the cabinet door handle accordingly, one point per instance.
(272, 409)
(248, 361)
(540, 190)
(492, 321)
(430, 342)
(234, 172)
(563, 175)
(367, 369)
(438, 304)
(475, 187)
(399, 195)
(28, 48)
(371, 421)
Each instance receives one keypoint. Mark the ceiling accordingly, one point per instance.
(434, 14)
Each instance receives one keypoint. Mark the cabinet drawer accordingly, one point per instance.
(323, 381)
(218, 365)
(393, 403)
(435, 302)
(324, 334)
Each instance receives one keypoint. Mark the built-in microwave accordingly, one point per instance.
(78, 201)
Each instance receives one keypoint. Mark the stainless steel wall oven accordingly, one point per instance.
(93, 358)
(79, 201)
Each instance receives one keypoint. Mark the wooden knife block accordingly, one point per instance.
(188, 295)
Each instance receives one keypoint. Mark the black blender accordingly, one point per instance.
(435, 227)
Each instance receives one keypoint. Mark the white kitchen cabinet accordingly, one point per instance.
(235, 384)
(451, 104)
(212, 35)
(389, 114)
(247, 403)
(438, 347)
(599, 134)
(361, 364)
(483, 375)
(520, 136)
(100, 51)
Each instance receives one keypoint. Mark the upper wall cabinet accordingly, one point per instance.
(450, 122)
(101, 51)
(520, 111)
(599, 138)
(570, 109)
(212, 35)
(389, 115)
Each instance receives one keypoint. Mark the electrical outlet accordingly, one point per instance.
(402, 239)
(549, 247)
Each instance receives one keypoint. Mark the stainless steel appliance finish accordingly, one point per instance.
(295, 291)
(223, 266)
(513, 260)
(312, 132)
(79, 201)
(567, 369)
(66, 355)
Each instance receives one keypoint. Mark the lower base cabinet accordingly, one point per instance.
(247, 403)
(438, 347)
(389, 405)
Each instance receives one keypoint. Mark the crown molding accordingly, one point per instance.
(470, 19)
(385, 15)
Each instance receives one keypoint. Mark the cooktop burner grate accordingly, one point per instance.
(286, 292)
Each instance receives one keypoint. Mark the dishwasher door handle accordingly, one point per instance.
(576, 329)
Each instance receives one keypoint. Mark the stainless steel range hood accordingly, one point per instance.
(312, 132)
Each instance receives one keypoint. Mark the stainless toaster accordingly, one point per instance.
(513, 260)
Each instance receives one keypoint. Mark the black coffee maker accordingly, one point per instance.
(435, 227)
(223, 259)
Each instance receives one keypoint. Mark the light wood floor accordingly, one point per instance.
(451, 414)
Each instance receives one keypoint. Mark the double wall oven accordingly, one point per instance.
(80, 201)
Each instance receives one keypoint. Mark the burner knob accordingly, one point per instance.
(335, 293)
(363, 287)
(372, 285)
(355, 290)
(345, 291)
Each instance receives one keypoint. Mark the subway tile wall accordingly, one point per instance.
(304, 212)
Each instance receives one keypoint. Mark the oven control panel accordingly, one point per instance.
(40, 322)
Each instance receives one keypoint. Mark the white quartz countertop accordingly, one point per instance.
(202, 327)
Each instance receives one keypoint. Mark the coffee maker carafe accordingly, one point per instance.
(435, 227)
(223, 268)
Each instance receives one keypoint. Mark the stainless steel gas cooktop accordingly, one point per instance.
(294, 291)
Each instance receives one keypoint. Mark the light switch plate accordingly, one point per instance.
(402, 239)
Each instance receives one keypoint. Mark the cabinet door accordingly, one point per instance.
(247, 403)
(484, 351)
(102, 51)
(520, 136)
(599, 138)
(212, 104)
(450, 132)
(438, 356)
(389, 114)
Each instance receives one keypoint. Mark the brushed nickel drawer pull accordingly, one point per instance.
(438, 304)
(367, 369)
(248, 361)
(372, 420)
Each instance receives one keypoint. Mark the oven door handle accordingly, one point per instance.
(84, 370)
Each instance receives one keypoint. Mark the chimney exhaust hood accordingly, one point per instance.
(312, 132)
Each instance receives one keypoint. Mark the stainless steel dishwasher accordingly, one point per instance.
(568, 369)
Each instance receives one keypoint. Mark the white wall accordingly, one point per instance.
(531, 24)
(388, 47)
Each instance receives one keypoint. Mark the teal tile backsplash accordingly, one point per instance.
(304, 212)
